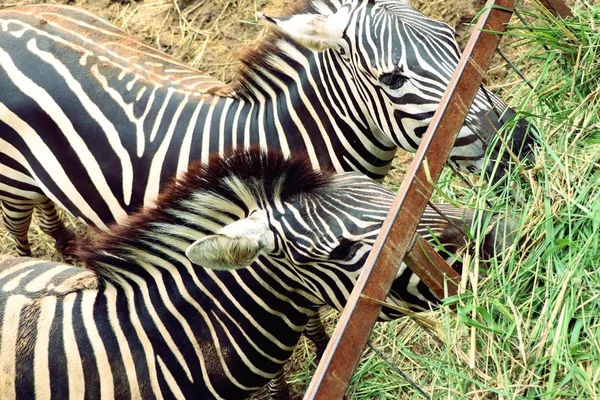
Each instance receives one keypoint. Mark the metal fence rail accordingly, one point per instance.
(397, 240)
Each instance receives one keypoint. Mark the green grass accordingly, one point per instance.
(531, 327)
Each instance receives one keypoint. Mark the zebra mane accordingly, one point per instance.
(274, 45)
(271, 46)
(269, 172)
(262, 173)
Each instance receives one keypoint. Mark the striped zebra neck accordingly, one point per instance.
(205, 199)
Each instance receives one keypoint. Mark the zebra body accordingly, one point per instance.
(142, 321)
(97, 122)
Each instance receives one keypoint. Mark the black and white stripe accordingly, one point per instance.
(97, 122)
(142, 321)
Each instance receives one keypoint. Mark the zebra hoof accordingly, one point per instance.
(319, 351)
(23, 253)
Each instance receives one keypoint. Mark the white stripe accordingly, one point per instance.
(249, 117)
(156, 167)
(204, 151)
(235, 126)
(145, 342)
(74, 365)
(41, 352)
(107, 390)
(226, 104)
(186, 142)
(161, 112)
(8, 345)
(128, 363)
(170, 379)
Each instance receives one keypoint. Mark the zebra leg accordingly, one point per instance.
(315, 332)
(278, 387)
(17, 218)
(51, 224)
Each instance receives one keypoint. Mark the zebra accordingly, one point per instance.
(97, 122)
(204, 295)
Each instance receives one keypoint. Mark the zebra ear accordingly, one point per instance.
(315, 31)
(235, 246)
(222, 252)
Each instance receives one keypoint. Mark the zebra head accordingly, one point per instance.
(398, 63)
(310, 227)
(312, 230)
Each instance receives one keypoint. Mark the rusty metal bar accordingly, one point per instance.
(433, 270)
(557, 7)
(356, 321)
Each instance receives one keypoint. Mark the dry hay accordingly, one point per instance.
(209, 35)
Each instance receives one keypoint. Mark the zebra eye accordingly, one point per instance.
(345, 251)
(394, 80)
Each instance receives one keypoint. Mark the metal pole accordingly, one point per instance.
(356, 321)
(432, 269)
(557, 7)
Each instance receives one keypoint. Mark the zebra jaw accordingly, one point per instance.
(315, 31)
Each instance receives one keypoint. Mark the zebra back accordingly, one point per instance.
(94, 37)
